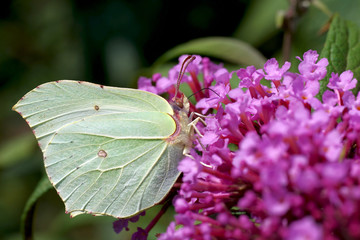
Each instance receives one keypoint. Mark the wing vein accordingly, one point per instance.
(145, 175)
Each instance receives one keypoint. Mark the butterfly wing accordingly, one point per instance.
(105, 149)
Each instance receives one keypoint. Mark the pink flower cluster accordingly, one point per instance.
(274, 162)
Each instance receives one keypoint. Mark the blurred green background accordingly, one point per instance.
(113, 43)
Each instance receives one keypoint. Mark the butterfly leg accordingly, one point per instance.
(192, 125)
(188, 155)
(199, 117)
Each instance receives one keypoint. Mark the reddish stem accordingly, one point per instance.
(158, 216)
(207, 186)
(248, 123)
(217, 174)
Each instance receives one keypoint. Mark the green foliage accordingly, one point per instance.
(27, 217)
(16, 150)
(342, 49)
(258, 24)
(226, 49)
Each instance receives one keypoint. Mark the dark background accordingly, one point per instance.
(112, 43)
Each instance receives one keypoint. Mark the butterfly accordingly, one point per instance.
(107, 150)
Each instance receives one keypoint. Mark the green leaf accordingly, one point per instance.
(16, 149)
(342, 49)
(28, 213)
(259, 21)
(227, 49)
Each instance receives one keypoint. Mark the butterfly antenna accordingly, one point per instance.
(184, 65)
(202, 90)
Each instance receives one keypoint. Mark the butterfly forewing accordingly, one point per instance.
(53, 105)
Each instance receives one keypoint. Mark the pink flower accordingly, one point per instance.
(273, 71)
(310, 69)
(272, 162)
(305, 228)
(345, 82)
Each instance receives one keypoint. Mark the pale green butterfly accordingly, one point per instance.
(108, 151)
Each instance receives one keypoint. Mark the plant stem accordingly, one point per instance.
(158, 216)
